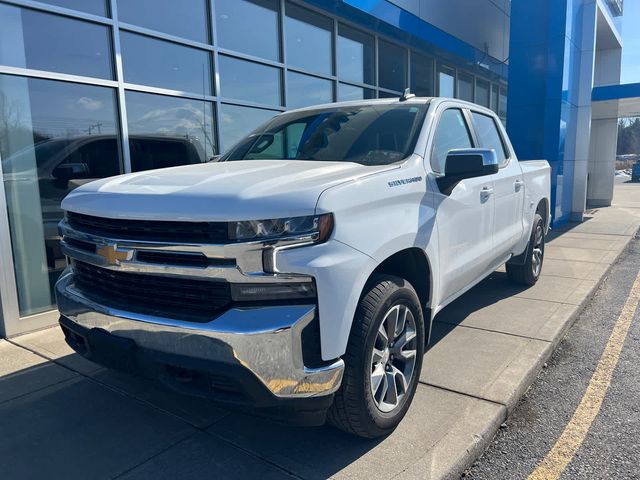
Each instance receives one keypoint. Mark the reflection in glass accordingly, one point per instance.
(465, 87)
(355, 52)
(168, 131)
(186, 18)
(308, 37)
(488, 136)
(150, 61)
(446, 85)
(392, 66)
(482, 92)
(494, 98)
(305, 90)
(421, 75)
(43, 41)
(382, 94)
(350, 92)
(54, 137)
(502, 105)
(249, 26)
(249, 81)
(236, 122)
(451, 133)
(96, 7)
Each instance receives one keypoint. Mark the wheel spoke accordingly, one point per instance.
(401, 380)
(392, 320)
(378, 355)
(376, 379)
(408, 354)
(382, 335)
(403, 340)
(402, 321)
(391, 396)
(381, 393)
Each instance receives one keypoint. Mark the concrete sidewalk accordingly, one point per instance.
(63, 417)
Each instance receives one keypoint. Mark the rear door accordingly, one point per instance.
(508, 186)
(465, 217)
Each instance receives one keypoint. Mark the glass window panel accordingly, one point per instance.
(421, 75)
(186, 18)
(43, 41)
(235, 18)
(494, 98)
(465, 87)
(482, 93)
(488, 136)
(356, 57)
(446, 84)
(249, 81)
(54, 137)
(96, 7)
(351, 92)
(502, 105)
(236, 122)
(149, 61)
(308, 37)
(382, 94)
(452, 132)
(168, 131)
(392, 66)
(305, 90)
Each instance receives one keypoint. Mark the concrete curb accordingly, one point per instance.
(458, 464)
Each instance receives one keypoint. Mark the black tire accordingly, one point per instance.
(355, 410)
(529, 272)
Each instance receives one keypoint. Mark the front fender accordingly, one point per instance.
(340, 272)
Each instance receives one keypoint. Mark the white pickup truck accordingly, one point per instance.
(299, 274)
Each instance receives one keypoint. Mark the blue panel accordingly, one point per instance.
(541, 88)
(615, 92)
(389, 19)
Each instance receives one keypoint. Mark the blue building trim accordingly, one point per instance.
(615, 92)
(389, 19)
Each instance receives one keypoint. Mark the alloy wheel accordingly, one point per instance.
(538, 251)
(393, 358)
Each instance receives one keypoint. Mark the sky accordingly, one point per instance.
(631, 42)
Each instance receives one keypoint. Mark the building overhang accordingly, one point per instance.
(616, 101)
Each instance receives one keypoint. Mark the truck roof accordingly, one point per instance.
(390, 101)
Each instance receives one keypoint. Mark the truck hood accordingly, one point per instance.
(240, 190)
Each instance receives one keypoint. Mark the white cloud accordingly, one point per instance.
(89, 104)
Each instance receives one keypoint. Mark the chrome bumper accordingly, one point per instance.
(265, 340)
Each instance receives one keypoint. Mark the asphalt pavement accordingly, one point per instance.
(611, 448)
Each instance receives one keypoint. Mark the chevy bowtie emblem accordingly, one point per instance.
(114, 255)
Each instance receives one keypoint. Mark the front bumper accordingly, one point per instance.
(256, 349)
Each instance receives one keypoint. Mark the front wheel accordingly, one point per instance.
(383, 360)
(529, 272)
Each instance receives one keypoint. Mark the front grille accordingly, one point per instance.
(150, 230)
(194, 300)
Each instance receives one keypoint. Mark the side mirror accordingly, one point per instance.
(466, 163)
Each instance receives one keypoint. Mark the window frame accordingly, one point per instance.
(499, 128)
(465, 116)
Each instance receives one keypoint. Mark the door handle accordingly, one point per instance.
(485, 193)
(518, 185)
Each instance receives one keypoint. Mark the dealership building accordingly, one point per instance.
(94, 88)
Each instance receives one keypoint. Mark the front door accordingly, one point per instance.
(465, 218)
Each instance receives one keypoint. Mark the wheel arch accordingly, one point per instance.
(413, 265)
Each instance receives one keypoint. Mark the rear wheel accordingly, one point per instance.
(529, 272)
(383, 360)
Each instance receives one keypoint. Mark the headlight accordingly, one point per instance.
(317, 226)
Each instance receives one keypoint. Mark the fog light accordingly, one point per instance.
(253, 292)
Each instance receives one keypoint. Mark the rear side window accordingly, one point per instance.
(488, 136)
(451, 133)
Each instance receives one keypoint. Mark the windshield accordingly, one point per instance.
(375, 134)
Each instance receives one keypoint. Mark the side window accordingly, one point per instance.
(451, 133)
(488, 136)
